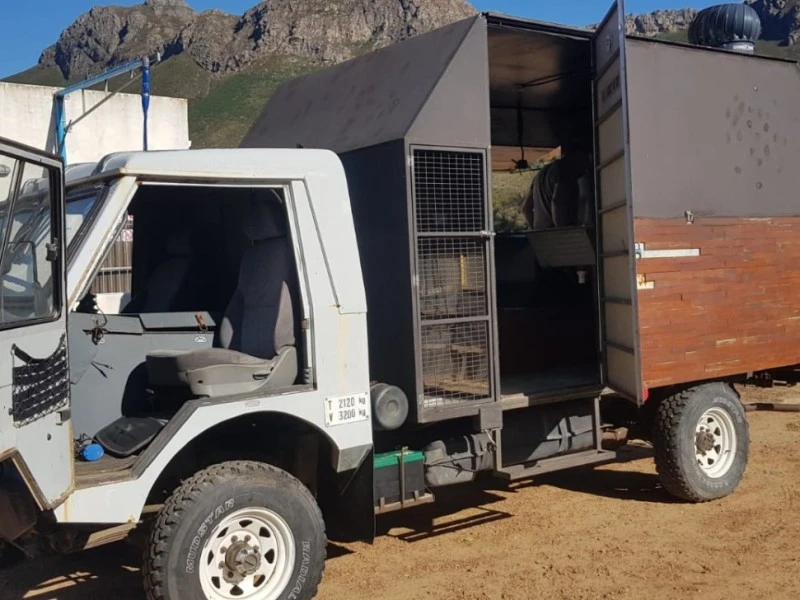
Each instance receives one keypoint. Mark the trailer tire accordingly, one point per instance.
(701, 442)
(237, 529)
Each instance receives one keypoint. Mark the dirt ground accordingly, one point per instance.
(608, 533)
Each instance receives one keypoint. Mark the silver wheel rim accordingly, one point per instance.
(715, 442)
(249, 555)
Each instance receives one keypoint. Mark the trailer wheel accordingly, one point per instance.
(701, 442)
(237, 530)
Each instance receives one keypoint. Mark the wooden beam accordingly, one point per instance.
(503, 157)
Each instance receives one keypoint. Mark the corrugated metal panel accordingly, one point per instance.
(364, 102)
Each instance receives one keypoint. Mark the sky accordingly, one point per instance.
(29, 26)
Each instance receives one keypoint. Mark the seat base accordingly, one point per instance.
(219, 372)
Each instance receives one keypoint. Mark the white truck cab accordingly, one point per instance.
(246, 330)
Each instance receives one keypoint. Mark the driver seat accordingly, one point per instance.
(255, 347)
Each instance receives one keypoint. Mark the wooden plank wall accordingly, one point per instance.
(734, 308)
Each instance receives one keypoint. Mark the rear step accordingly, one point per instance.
(558, 463)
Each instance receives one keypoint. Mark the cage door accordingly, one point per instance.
(453, 292)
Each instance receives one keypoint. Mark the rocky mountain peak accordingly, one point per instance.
(327, 31)
(166, 3)
(660, 22)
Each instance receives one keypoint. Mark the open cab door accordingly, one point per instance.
(616, 248)
(35, 427)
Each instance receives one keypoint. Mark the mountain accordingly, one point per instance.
(329, 31)
(780, 20)
(660, 22)
(227, 65)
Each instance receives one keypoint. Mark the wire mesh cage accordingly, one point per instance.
(450, 210)
(450, 191)
(452, 278)
(455, 363)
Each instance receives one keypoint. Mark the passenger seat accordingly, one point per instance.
(256, 341)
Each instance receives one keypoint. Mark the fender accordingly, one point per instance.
(123, 501)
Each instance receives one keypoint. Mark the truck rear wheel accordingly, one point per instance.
(237, 530)
(701, 442)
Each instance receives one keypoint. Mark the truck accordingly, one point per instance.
(323, 325)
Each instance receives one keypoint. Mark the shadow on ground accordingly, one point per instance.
(115, 567)
(468, 506)
(481, 501)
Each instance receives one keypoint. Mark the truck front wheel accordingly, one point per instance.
(701, 442)
(237, 530)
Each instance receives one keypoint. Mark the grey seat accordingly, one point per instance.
(164, 284)
(255, 347)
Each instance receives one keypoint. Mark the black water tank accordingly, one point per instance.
(730, 26)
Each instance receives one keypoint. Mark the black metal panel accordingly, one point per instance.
(378, 194)
(450, 207)
(361, 103)
(733, 139)
(465, 122)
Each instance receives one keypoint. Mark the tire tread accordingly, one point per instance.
(188, 493)
(666, 446)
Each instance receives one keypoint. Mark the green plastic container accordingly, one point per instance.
(386, 482)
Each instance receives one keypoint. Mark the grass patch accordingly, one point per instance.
(508, 192)
(226, 113)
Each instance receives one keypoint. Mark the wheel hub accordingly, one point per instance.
(704, 441)
(248, 556)
(715, 442)
(243, 559)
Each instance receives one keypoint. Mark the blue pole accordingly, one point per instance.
(145, 95)
(61, 129)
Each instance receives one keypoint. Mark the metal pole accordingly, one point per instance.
(145, 96)
(61, 128)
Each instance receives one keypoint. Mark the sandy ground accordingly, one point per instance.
(607, 533)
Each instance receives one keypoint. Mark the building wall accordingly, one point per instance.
(28, 116)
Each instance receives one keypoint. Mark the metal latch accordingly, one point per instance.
(52, 251)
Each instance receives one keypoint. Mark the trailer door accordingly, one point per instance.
(616, 261)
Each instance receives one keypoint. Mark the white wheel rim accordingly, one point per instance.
(249, 555)
(715, 442)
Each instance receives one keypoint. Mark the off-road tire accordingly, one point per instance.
(674, 433)
(171, 570)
